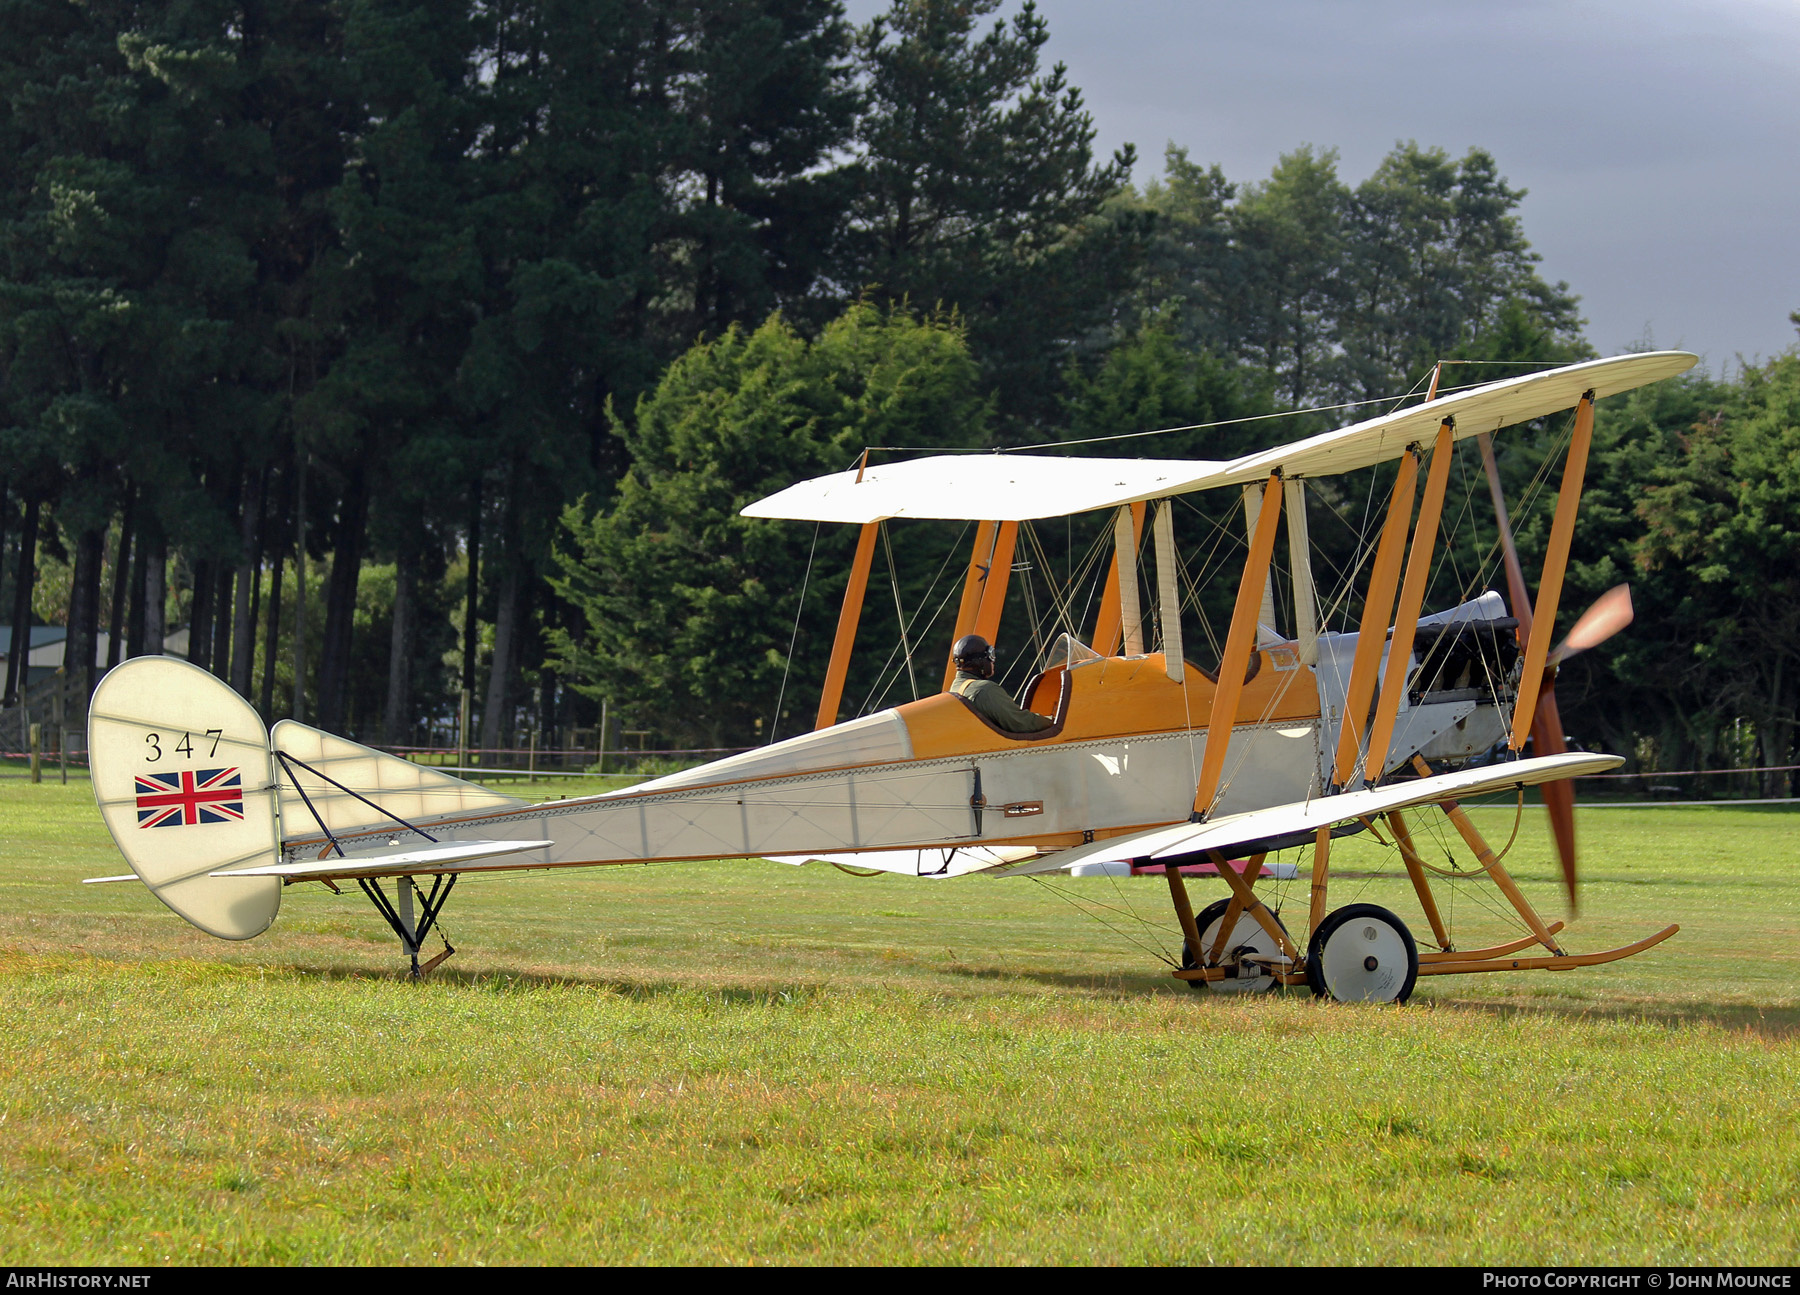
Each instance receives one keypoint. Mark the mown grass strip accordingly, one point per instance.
(741, 1062)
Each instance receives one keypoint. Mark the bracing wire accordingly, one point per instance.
(787, 667)
(1156, 953)
(878, 692)
(899, 612)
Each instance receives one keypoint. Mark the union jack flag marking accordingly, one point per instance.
(188, 799)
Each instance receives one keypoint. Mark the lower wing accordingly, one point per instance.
(1283, 826)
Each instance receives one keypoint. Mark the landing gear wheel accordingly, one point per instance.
(1247, 936)
(1362, 953)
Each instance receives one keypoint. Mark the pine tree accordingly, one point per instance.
(979, 191)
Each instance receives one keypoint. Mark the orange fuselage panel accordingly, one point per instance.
(1117, 697)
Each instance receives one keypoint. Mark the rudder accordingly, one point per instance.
(183, 777)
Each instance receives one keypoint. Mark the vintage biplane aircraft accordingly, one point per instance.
(1149, 764)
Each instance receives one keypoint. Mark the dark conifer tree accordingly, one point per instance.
(979, 191)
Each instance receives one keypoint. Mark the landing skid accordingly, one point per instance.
(1334, 964)
(400, 916)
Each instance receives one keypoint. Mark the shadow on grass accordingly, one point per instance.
(504, 980)
(1770, 1022)
(1111, 984)
(1780, 1024)
(490, 978)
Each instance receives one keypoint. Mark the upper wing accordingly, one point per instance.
(1019, 487)
(1265, 826)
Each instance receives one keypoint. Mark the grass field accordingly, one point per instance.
(747, 1062)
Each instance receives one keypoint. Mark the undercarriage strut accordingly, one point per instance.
(400, 918)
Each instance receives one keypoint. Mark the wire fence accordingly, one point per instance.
(561, 762)
(1765, 784)
(63, 750)
(60, 750)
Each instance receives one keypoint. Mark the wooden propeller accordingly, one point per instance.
(1610, 613)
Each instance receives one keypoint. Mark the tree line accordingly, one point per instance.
(399, 353)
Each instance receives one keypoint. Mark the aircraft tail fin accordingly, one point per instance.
(182, 774)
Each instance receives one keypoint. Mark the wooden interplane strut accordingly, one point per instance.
(1240, 641)
(1253, 496)
(993, 589)
(1168, 592)
(1546, 720)
(848, 616)
(1412, 601)
(1306, 614)
(1556, 566)
(1377, 603)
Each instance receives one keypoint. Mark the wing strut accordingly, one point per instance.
(1556, 565)
(970, 605)
(993, 587)
(1127, 531)
(1168, 592)
(1239, 642)
(1306, 614)
(1377, 602)
(1106, 624)
(848, 617)
(1412, 598)
(1253, 497)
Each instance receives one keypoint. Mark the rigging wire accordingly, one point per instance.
(1156, 953)
(881, 674)
(1186, 427)
(1197, 427)
(899, 613)
(794, 636)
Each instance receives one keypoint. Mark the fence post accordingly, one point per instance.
(62, 753)
(600, 764)
(531, 760)
(37, 742)
(462, 731)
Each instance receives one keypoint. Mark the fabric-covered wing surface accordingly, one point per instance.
(1020, 487)
(1236, 830)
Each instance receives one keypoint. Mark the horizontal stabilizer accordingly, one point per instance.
(1266, 826)
(414, 861)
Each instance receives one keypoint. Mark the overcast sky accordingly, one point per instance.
(1659, 139)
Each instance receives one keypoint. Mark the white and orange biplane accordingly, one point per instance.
(1149, 764)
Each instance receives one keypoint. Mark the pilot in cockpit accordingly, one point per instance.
(975, 684)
